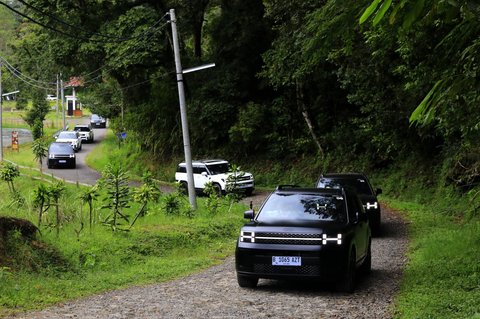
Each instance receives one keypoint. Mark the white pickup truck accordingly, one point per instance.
(219, 173)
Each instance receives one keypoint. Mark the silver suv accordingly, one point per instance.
(219, 173)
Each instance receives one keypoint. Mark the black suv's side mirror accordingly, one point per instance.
(249, 214)
(378, 191)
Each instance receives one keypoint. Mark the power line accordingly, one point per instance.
(136, 48)
(76, 36)
(24, 75)
(149, 80)
(108, 36)
(45, 26)
(26, 81)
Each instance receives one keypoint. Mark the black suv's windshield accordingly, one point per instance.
(218, 168)
(61, 148)
(359, 184)
(298, 207)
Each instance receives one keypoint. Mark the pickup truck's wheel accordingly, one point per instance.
(247, 281)
(218, 189)
(347, 282)
(183, 188)
(248, 191)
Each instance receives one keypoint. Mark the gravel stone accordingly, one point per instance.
(214, 293)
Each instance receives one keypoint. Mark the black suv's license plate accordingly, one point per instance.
(286, 261)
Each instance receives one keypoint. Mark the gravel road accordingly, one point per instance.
(214, 293)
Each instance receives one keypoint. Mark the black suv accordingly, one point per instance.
(305, 233)
(359, 182)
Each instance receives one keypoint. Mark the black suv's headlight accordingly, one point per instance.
(247, 236)
(373, 205)
(326, 239)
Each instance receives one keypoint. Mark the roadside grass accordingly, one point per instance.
(442, 277)
(83, 261)
(110, 151)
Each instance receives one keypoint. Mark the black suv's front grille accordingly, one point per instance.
(311, 270)
(288, 238)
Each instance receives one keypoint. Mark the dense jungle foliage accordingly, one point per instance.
(372, 83)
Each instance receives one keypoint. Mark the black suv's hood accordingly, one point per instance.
(299, 227)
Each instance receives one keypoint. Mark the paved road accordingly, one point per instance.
(82, 173)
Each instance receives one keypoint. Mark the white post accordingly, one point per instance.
(62, 89)
(57, 95)
(183, 112)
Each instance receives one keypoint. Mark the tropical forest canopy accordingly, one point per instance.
(365, 80)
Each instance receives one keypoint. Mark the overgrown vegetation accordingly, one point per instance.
(66, 262)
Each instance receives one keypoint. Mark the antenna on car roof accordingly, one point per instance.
(251, 204)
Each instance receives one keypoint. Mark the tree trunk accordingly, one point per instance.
(302, 107)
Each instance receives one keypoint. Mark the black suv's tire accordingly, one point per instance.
(347, 282)
(366, 267)
(247, 281)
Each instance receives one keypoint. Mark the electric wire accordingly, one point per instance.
(149, 80)
(26, 81)
(108, 36)
(46, 26)
(75, 36)
(24, 75)
(136, 48)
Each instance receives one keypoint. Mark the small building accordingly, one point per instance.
(74, 107)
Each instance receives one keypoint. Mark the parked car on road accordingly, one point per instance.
(219, 173)
(85, 131)
(98, 121)
(360, 183)
(61, 154)
(71, 137)
(305, 233)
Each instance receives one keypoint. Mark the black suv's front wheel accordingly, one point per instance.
(247, 281)
(347, 282)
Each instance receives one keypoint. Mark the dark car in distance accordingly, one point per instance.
(360, 183)
(61, 154)
(98, 121)
(305, 233)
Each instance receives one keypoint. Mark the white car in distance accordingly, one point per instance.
(71, 137)
(85, 131)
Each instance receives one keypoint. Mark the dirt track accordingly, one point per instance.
(214, 293)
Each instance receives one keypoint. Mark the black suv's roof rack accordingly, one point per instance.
(282, 187)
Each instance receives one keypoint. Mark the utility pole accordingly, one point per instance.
(57, 94)
(62, 89)
(183, 112)
(1, 114)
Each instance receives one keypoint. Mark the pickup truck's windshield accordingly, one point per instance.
(218, 168)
